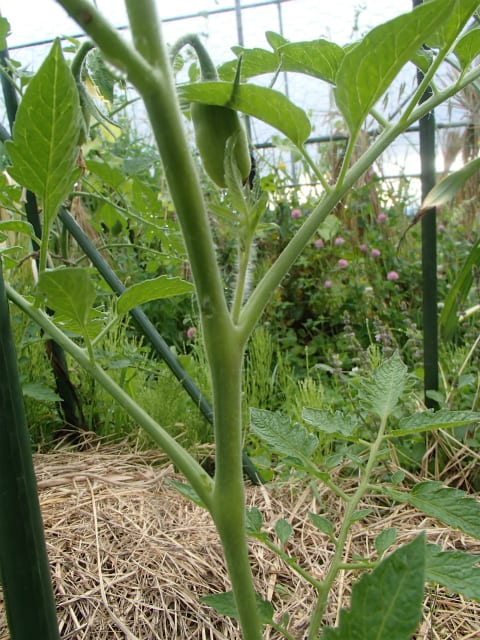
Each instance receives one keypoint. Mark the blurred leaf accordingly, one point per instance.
(274, 39)
(386, 603)
(428, 420)
(453, 507)
(284, 530)
(444, 192)
(40, 392)
(468, 47)
(4, 31)
(224, 603)
(458, 293)
(254, 520)
(457, 571)
(331, 423)
(265, 104)
(368, 68)
(382, 391)
(322, 524)
(277, 431)
(384, 540)
(44, 149)
(17, 226)
(187, 491)
(155, 289)
(69, 291)
(255, 62)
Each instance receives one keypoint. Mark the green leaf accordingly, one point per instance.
(457, 571)
(155, 289)
(318, 58)
(428, 420)
(368, 69)
(382, 392)
(322, 524)
(360, 514)
(275, 40)
(44, 149)
(331, 423)
(267, 105)
(451, 506)
(254, 520)
(384, 540)
(445, 36)
(255, 62)
(284, 530)
(458, 293)
(4, 31)
(468, 48)
(386, 603)
(69, 291)
(187, 491)
(443, 192)
(17, 226)
(224, 603)
(277, 431)
(40, 392)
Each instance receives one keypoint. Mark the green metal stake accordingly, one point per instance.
(429, 251)
(24, 567)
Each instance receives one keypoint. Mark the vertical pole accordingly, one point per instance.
(429, 251)
(24, 568)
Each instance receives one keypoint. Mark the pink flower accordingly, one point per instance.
(295, 213)
(342, 263)
(392, 276)
(382, 217)
(191, 333)
(375, 253)
(319, 243)
(441, 228)
(363, 248)
(328, 284)
(339, 241)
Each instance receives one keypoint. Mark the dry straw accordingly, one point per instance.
(130, 557)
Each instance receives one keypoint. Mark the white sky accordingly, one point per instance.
(37, 20)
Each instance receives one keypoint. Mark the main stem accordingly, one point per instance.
(148, 68)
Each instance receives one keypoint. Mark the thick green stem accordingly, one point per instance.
(229, 500)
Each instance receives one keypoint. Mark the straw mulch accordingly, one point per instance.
(130, 557)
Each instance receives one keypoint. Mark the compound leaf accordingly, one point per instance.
(451, 506)
(457, 571)
(283, 437)
(386, 603)
(328, 422)
(428, 420)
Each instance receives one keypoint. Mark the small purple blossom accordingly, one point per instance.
(319, 243)
(441, 228)
(328, 284)
(191, 333)
(342, 263)
(375, 253)
(363, 248)
(295, 214)
(392, 276)
(339, 241)
(382, 217)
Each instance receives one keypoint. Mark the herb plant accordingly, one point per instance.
(44, 154)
